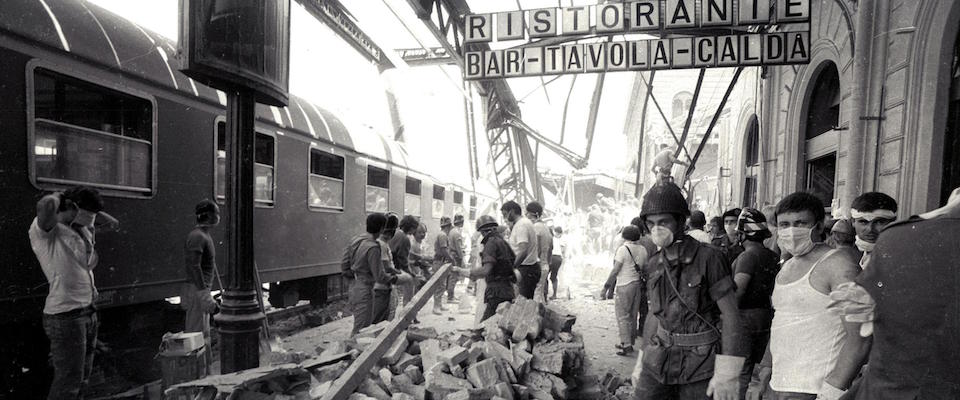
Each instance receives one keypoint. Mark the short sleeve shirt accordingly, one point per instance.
(628, 272)
(523, 232)
(544, 241)
(199, 241)
(442, 242)
(67, 260)
(762, 265)
(497, 251)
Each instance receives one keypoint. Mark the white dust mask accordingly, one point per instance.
(864, 245)
(661, 236)
(795, 240)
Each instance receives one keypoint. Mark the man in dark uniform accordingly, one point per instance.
(729, 243)
(907, 299)
(691, 294)
(496, 267)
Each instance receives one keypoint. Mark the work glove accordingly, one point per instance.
(637, 369)
(829, 392)
(854, 304)
(725, 384)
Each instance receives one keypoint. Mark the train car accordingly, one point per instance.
(90, 98)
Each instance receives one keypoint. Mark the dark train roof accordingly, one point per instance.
(100, 36)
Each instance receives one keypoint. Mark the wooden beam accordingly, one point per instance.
(357, 372)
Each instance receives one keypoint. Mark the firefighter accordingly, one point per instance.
(691, 294)
(496, 268)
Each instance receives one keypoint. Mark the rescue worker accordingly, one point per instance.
(544, 247)
(441, 256)
(63, 237)
(497, 260)
(523, 241)
(385, 298)
(906, 301)
(870, 213)
(696, 223)
(201, 264)
(815, 354)
(556, 258)
(663, 164)
(691, 294)
(400, 246)
(729, 242)
(363, 265)
(458, 251)
(754, 272)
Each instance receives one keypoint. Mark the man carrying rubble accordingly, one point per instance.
(691, 294)
(496, 267)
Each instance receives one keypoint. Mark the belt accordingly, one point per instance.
(76, 312)
(686, 339)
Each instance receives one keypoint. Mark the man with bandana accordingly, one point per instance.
(815, 354)
(63, 237)
(871, 212)
(907, 302)
(691, 294)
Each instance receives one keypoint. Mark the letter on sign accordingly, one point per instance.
(473, 64)
(610, 18)
(774, 48)
(616, 56)
(510, 25)
(645, 15)
(595, 57)
(716, 12)
(543, 23)
(751, 49)
(793, 10)
(479, 28)
(576, 20)
(705, 55)
(680, 13)
(798, 47)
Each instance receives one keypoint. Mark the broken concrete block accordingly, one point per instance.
(472, 394)
(372, 389)
(548, 335)
(458, 372)
(414, 373)
(419, 334)
(521, 362)
(329, 372)
(483, 374)
(386, 377)
(413, 348)
(624, 393)
(538, 394)
(475, 352)
(548, 358)
(403, 384)
(364, 342)
(523, 345)
(406, 361)
(501, 367)
(429, 350)
(521, 391)
(503, 390)
(549, 383)
(440, 384)
(318, 391)
(453, 356)
(402, 396)
(331, 348)
(396, 350)
(503, 308)
(528, 322)
(558, 320)
(497, 350)
(372, 331)
(565, 336)
(358, 396)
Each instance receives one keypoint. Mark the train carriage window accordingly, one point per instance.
(378, 189)
(263, 166)
(438, 198)
(411, 199)
(93, 135)
(326, 180)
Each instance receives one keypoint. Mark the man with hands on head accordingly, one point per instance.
(691, 294)
(63, 237)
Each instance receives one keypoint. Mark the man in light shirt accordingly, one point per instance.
(523, 241)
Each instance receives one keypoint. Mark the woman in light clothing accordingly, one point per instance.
(628, 279)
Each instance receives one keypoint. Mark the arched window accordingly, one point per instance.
(751, 160)
(951, 143)
(681, 104)
(821, 136)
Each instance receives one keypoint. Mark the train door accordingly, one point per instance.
(951, 143)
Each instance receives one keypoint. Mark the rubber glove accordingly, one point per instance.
(828, 392)
(725, 384)
(637, 369)
(854, 304)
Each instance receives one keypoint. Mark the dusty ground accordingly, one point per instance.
(580, 281)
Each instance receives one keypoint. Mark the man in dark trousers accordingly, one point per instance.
(201, 262)
(906, 299)
(442, 255)
(691, 294)
(63, 237)
(525, 245)
(363, 267)
(496, 267)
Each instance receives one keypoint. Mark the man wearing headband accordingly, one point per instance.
(871, 212)
(63, 238)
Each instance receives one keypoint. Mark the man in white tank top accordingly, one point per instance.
(815, 353)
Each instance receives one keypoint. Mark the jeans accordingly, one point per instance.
(360, 299)
(73, 338)
(627, 306)
(529, 278)
(650, 389)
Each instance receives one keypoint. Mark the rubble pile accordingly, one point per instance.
(525, 351)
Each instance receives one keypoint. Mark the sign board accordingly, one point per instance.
(678, 18)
